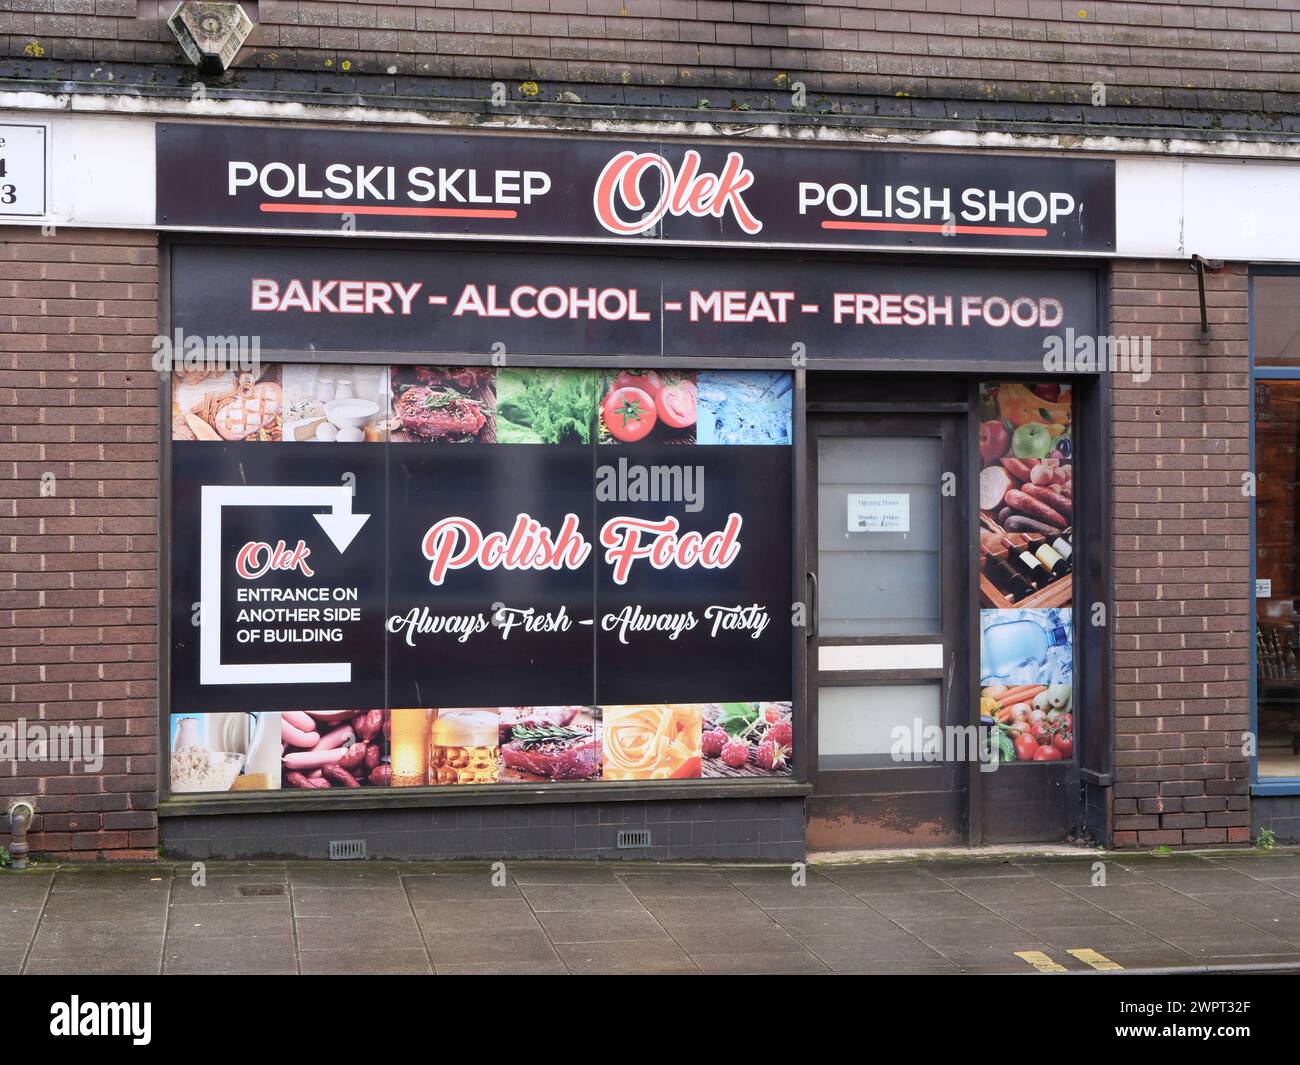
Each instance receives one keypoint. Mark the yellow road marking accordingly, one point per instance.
(1040, 961)
(1098, 961)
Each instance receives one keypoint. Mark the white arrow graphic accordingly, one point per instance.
(340, 525)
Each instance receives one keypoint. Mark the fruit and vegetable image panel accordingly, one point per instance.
(587, 571)
(1026, 536)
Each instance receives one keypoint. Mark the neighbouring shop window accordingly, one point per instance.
(1026, 516)
(417, 576)
(1276, 322)
(1277, 644)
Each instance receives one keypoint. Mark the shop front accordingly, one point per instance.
(559, 497)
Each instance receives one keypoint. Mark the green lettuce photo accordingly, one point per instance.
(546, 406)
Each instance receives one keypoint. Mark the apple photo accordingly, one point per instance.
(1026, 494)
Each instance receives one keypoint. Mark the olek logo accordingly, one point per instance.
(686, 191)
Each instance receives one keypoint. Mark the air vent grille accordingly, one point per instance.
(256, 890)
(344, 850)
(632, 838)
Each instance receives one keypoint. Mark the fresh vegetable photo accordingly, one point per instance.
(546, 406)
(660, 406)
(1031, 722)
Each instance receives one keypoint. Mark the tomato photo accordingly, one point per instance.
(675, 404)
(1063, 743)
(629, 413)
(1047, 754)
(651, 382)
(1026, 747)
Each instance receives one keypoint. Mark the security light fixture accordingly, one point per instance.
(210, 34)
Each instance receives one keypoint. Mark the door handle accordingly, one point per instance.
(812, 605)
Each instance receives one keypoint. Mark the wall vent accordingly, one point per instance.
(631, 838)
(343, 850)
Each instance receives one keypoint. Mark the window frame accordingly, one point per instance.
(1269, 785)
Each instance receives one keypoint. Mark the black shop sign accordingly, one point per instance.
(343, 299)
(240, 178)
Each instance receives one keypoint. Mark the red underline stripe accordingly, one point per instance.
(405, 212)
(905, 227)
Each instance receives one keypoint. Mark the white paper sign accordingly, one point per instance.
(879, 512)
(23, 162)
(1263, 587)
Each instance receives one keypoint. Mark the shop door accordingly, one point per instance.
(887, 664)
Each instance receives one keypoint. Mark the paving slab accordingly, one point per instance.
(230, 919)
(231, 955)
(881, 953)
(93, 963)
(544, 897)
(815, 894)
(1200, 881)
(561, 873)
(11, 958)
(517, 967)
(830, 920)
(477, 948)
(100, 880)
(601, 926)
(946, 903)
(1263, 866)
(686, 884)
(482, 916)
(432, 886)
(345, 875)
(368, 961)
(387, 901)
(886, 879)
(1102, 938)
(788, 963)
(323, 933)
(645, 957)
(229, 888)
(24, 888)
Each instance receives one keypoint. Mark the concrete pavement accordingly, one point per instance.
(1013, 914)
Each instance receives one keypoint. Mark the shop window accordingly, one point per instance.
(1275, 350)
(1276, 325)
(602, 557)
(858, 726)
(877, 583)
(1277, 645)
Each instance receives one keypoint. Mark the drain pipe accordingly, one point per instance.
(21, 814)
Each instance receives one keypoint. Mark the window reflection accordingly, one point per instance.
(1277, 597)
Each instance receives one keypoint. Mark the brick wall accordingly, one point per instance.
(78, 569)
(1242, 56)
(1183, 632)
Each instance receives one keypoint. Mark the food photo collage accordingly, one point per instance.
(1026, 518)
(448, 746)
(308, 402)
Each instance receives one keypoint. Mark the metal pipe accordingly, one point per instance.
(21, 814)
(1200, 265)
